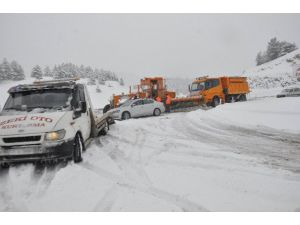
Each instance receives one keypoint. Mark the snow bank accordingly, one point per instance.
(278, 113)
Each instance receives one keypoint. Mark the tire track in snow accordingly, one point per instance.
(10, 202)
(268, 146)
(134, 179)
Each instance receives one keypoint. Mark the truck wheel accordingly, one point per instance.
(106, 108)
(215, 101)
(243, 98)
(78, 148)
(4, 166)
(156, 112)
(126, 116)
(104, 131)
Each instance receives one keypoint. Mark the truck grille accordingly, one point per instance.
(21, 139)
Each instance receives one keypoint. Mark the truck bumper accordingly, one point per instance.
(33, 153)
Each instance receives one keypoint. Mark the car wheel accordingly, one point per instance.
(156, 112)
(126, 116)
(215, 102)
(78, 148)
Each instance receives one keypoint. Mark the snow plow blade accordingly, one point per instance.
(186, 103)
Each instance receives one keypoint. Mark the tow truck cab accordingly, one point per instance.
(48, 120)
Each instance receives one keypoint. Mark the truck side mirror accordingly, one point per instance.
(83, 106)
(189, 88)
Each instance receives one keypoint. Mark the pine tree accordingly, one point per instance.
(21, 73)
(17, 72)
(273, 49)
(37, 72)
(5, 70)
(121, 82)
(47, 72)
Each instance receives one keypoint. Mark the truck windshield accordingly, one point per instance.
(37, 99)
(198, 86)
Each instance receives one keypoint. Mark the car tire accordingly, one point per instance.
(215, 101)
(126, 115)
(78, 148)
(156, 112)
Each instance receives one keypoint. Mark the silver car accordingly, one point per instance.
(138, 108)
(289, 92)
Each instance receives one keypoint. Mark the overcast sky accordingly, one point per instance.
(174, 45)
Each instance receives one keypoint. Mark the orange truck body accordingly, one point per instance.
(224, 89)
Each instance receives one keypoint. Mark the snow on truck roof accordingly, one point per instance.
(49, 84)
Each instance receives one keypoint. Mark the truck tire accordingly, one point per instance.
(104, 131)
(215, 101)
(243, 98)
(106, 108)
(78, 148)
(156, 112)
(126, 115)
(4, 166)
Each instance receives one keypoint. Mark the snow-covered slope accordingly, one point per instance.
(276, 73)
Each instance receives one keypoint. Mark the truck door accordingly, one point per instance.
(214, 88)
(83, 120)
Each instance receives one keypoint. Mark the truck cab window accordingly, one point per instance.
(215, 83)
(208, 84)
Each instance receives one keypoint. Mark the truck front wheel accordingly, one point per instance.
(105, 129)
(78, 148)
(215, 101)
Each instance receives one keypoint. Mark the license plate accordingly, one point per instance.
(20, 151)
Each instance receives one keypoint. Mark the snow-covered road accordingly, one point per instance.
(223, 159)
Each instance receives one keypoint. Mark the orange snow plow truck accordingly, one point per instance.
(220, 89)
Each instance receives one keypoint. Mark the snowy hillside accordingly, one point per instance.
(99, 99)
(276, 73)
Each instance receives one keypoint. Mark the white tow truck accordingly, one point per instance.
(47, 121)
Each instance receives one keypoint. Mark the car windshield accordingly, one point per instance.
(198, 86)
(36, 99)
(127, 103)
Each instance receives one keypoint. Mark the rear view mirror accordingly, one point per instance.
(82, 107)
(189, 88)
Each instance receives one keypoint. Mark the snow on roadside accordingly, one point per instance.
(277, 113)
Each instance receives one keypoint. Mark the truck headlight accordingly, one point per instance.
(55, 135)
